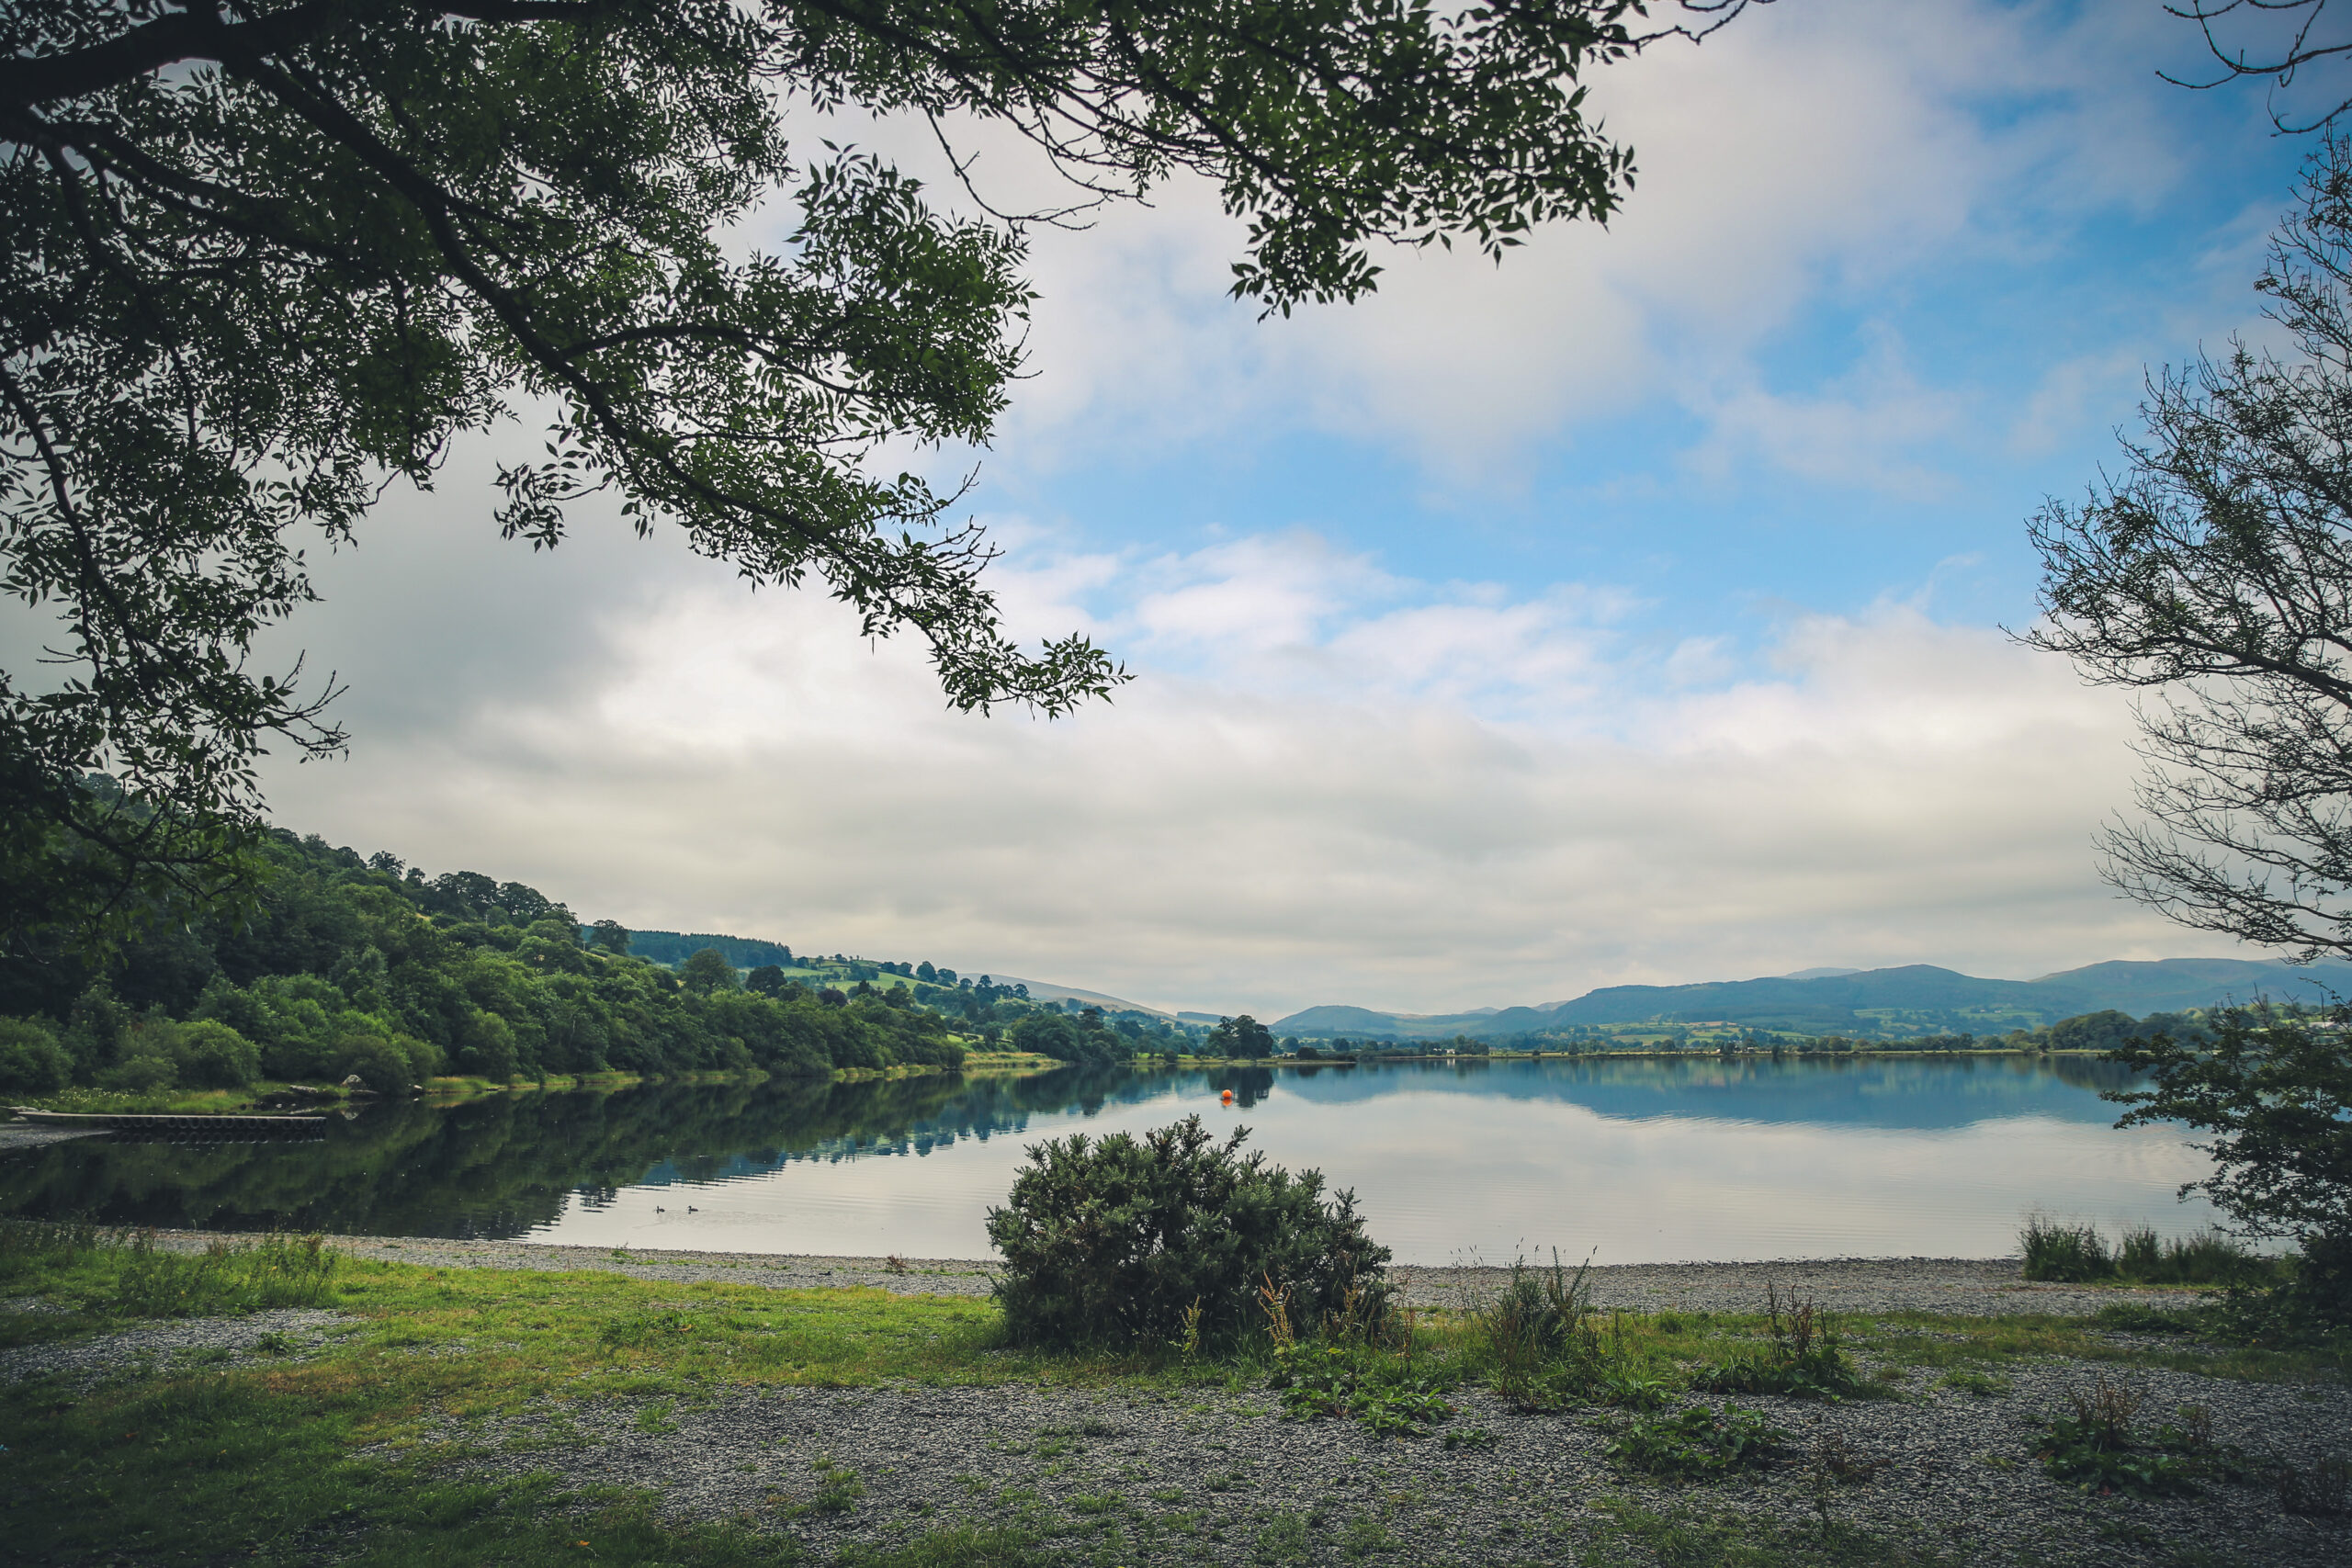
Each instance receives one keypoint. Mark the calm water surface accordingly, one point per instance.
(1647, 1161)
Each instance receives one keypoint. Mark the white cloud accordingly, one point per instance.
(1806, 157)
(1445, 796)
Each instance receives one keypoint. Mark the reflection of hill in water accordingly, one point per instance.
(499, 1167)
(1906, 1093)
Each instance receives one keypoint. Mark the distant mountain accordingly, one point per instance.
(1903, 1000)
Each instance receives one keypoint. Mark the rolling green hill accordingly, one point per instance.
(1916, 999)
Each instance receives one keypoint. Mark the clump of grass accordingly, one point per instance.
(2074, 1252)
(2064, 1253)
(1802, 1358)
(132, 1274)
(1539, 1318)
(1697, 1444)
(2208, 1257)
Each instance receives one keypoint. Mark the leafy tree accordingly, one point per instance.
(704, 971)
(923, 971)
(1243, 1036)
(2216, 575)
(266, 254)
(2275, 1090)
(2093, 1032)
(611, 936)
(767, 979)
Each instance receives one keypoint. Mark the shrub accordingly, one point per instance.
(378, 1062)
(1114, 1240)
(211, 1053)
(2063, 1254)
(32, 1061)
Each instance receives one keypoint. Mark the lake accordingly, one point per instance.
(1647, 1160)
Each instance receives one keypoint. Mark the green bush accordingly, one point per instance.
(32, 1061)
(145, 1067)
(213, 1054)
(1115, 1240)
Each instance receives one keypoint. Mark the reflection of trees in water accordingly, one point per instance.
(499, 1165)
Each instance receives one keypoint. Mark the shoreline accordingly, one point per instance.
(1957, 1287)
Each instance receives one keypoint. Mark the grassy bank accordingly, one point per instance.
(371, 1448)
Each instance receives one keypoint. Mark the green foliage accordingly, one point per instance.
(1535, 1323)
(1698, 1443)
(2274, 1089)
(130, 1274)
(1802, 1358)
(2064, 1253)
(2096, 1449)
(386, 253)
(349, 967)
(1243, 1036)
(707, 971)
(1066, 1039)
(32, 1060)
(1382, 1393)
(1112, 1240)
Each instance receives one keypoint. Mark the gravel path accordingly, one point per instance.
(1970, 1287)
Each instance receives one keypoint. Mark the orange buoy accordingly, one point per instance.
(1228, 1097)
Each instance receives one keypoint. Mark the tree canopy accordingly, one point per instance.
(2216, 575)
(264, 257)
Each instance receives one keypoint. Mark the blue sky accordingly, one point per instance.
(1629, 611)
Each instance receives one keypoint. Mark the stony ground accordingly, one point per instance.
(1223, 1480)
(1971, 1287)
(1127, 1478)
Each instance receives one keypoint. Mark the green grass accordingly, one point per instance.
(344, 1451)
(1692, 1538)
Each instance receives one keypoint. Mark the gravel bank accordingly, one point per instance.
(1970, 1287)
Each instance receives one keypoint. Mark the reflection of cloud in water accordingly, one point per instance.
(1645, 1159)
(1491, 1158)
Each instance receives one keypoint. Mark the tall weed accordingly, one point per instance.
(131, 1274)
(1802, 1356)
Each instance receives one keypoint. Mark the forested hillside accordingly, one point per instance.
(351, 965)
